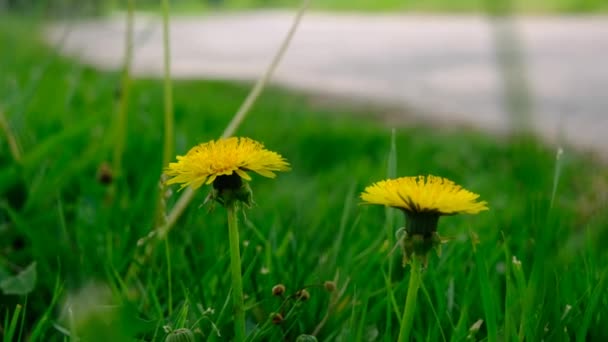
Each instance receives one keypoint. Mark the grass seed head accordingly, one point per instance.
(329, 286)
(104, 174)
(303, 295)
(277, 318)
(278, 290)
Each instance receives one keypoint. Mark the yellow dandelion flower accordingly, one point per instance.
(204, 163)
(225, 163)
(421, 194)
(423, 200)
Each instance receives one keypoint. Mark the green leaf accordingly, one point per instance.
(20, 284)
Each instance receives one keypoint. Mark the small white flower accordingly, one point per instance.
(516, 261)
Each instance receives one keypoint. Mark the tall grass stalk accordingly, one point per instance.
(168, 89)
(591, 310)
(23, 318)
(487, 296)
(556, 174)
(120, 133)
(11, 328)
(391, 172)
(169, 283)
(159, 213)
(168, 145)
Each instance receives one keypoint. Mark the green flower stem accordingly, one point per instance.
(235, 267)
(407, 320)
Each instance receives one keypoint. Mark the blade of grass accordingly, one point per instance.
(38, 330)
(169, 131)
(534, 294)
(12, 327)
(169, 283)
(348, 204)
(556, 175)
(168, 89)
(461, 329)
(392, 301)
(510, 296)
(362, 318)
(391, 172)
(428, 298)
(10, 138)
(521, 291)
(487, 296)
(594, 301)
(2, 329)
(220, 317)
(22, 325)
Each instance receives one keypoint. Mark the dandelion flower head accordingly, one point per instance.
(419, 195)
(204, 163)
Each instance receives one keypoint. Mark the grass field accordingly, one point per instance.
(531, 268)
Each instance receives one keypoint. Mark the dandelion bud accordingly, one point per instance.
(306, 338)
(278, 290)
(329, 286)
(180, 335)
(104, 174)
(303, 295)
(277, 318)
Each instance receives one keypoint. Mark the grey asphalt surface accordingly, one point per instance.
(442, 67)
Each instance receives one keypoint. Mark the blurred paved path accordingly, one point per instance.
(444, 67)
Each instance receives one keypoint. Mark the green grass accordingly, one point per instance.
(517, 267)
